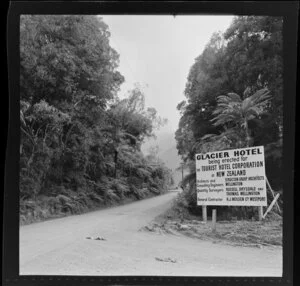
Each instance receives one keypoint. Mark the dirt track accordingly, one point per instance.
(61, 247)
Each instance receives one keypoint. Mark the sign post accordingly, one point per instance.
(214, 219)
(204, 213)
(232, 178)
(260, 213)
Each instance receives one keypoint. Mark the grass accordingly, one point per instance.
(46, 208)
(250, 233)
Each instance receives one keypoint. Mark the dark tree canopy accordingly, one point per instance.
(66, 58)
(247, 58)
(80, 144)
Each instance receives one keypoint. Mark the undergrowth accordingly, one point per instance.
(64, 202)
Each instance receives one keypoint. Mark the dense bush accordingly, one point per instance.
(234, 96)
(80, 144)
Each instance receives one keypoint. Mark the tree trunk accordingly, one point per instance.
(248, 138)
(116, 161)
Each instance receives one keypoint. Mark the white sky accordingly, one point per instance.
(158, 51)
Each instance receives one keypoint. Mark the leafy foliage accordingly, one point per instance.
(234, 96)
(232, 109)
(80, 144)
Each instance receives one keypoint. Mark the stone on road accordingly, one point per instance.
(117, 247)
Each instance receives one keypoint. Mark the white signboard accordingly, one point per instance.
(231, 177)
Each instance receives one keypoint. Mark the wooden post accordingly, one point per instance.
(260, 213)
(204, 213)
(214, 219)
(271, 205)
(268, 184)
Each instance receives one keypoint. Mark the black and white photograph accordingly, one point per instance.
(151, 145)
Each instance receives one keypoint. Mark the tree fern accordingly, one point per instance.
(231, 108)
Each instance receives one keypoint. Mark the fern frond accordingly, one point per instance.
(234, 97)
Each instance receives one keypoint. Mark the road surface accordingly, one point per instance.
(61, 247)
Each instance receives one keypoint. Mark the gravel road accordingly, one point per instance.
(61, 247)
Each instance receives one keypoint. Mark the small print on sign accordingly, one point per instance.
(231, 177)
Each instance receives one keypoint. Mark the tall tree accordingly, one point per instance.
(247, 57)
(65, 58)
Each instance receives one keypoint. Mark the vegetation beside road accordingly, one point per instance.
(80, 143)
(234, 95)
(238, 232)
